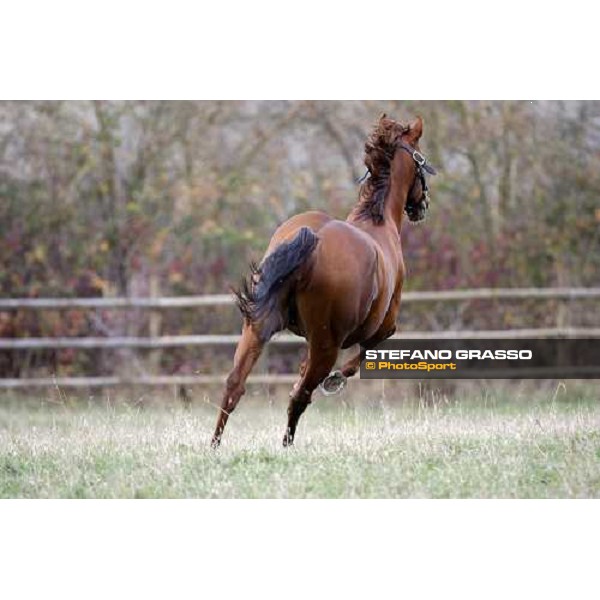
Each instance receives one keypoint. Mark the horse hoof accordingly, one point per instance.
(334, 383)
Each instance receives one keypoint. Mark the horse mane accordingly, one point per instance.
(379, 152)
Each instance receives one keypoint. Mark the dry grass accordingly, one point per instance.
(499, 444)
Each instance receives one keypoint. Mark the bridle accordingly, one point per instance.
(422, 167)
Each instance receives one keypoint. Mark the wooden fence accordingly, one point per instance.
(10, 304)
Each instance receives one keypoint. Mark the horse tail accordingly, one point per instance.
(260, 296)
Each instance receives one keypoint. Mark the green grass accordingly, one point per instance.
(479, 445)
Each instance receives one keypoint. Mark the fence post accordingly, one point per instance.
(154, 325)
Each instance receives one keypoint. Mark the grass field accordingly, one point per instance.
(507, 443)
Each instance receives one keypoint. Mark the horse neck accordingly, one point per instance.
(397, 196)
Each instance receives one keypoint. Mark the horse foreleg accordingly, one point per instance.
(247, 353)
(318, 365)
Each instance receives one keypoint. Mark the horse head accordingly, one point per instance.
(407, 142)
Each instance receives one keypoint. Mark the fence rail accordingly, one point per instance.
(558, 293)
(143, 380)
(172, 341)
(563, 294)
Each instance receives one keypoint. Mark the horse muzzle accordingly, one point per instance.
(416, 211)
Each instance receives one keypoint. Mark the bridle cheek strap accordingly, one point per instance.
(418, 158)
(421, 163)
(422, 166)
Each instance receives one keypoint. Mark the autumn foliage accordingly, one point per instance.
(174, 198)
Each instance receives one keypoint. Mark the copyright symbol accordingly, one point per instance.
(370, 365)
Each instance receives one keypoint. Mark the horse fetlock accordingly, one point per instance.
(231, 400)
(296, 408)
(349, 371)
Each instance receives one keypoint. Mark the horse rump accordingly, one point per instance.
(261, 293)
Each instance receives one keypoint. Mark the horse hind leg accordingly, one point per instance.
(351, 367)
(319, 363)
(247, 353)
(335, 382)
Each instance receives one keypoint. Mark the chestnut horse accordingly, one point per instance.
(335, 283)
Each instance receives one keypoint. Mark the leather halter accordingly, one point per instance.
(416, 212)
(422, 165)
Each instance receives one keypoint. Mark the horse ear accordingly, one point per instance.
(382, 121)
(415, 130)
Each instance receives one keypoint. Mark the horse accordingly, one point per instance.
(335, 283)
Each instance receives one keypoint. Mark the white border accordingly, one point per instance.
(179, 49)
(261, 49)
(295, 549)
